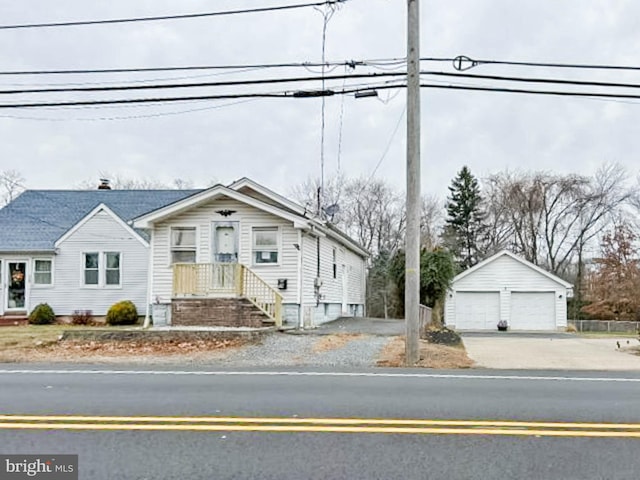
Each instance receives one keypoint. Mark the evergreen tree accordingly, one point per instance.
(464, 225)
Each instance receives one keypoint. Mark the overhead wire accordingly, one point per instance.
(316, 94)
(323, 79)
(127, 117)
(170, 17)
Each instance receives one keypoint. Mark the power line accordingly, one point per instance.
(198, 84)
(317, 94)
(588, 83)
(127, 117)
(348, 63)
(386, 150)
(464, 63)
(170, 17)
(381, 63)
(317, 78)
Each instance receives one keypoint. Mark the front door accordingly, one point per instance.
(16, 282)
(225, 242)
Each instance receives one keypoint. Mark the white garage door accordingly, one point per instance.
(477, 310)
(533, 311)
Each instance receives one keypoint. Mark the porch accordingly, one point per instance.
(226, 281)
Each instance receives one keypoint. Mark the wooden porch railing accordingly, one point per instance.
(266, 298)
(211, 279)
(204, 279)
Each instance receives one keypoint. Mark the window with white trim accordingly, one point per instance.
(112, 268)
(265, 245)
(91, 263)
(183, 245)
(102, 269)
(42, 272)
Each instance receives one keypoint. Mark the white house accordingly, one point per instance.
(226, 250)
(74, 250)
(507, 288)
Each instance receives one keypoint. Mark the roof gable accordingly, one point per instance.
(522, 261)
(101, 208)
(213, 193)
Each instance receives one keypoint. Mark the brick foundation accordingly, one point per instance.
(216, 312)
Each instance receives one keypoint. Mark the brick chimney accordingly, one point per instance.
(104, 184)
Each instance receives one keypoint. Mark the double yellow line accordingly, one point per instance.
(330, 425)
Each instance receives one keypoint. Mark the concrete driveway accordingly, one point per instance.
(551, 351)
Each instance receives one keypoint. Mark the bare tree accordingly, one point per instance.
(310, 195)
(11, 185)
(121, 182)
(552, 218)
(431, 221)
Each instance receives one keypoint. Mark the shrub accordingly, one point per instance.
(571, 328)
(122, 313)
(82, 317)
(42, 315)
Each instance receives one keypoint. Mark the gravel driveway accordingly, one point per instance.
(561, 351)
(281, 349)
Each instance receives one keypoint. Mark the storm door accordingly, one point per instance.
(16, 293)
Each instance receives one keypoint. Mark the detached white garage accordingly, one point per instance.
(507, 287)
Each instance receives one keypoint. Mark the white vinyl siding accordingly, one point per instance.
(529, 299)
(332, 288)
(100, 234)
(249, 221)
(248, 217)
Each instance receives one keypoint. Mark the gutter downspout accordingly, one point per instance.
(300, 282)
(147, 318)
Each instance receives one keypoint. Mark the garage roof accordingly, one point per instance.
(507, 253)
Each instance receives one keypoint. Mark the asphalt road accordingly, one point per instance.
(306, 428)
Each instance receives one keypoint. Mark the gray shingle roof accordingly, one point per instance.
(37, 218)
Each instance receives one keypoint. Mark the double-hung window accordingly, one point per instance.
(183, 245)
(92, 268)
(102, 269)
(42, 274)
(112, 268)
(265, 245)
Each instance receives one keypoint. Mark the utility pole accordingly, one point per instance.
(412, 241)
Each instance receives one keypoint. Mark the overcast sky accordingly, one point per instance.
(277, 141)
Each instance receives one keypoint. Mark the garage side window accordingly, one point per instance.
(183, 245)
